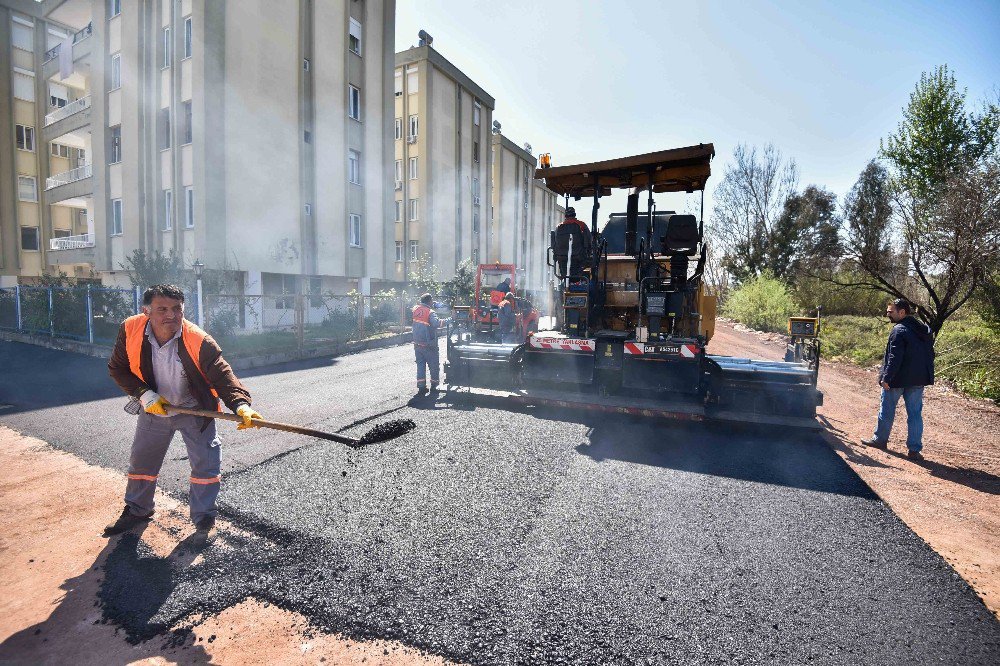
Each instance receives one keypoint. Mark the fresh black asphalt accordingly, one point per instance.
(495, 536)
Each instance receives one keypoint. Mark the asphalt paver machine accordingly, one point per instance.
(633, 318)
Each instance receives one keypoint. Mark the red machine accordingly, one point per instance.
(482, 318)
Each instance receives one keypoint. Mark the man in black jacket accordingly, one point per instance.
(908, 366)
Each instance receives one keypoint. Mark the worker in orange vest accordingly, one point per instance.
(425, 343)
(162, 359)
(507, 318)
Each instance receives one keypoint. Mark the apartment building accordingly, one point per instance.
(246, 134)
(441, 169)
(522, 213)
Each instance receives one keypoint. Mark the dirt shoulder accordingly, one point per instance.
(51, 560)
(952, 498)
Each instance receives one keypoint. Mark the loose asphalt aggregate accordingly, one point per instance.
(497, 536)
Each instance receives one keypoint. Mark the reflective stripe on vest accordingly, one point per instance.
(421, 315)
(191, 337)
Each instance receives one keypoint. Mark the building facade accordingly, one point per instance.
(250, 135)
(440, 167)
(522, 213)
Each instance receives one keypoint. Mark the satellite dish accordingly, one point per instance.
(527, 147)
(496, 126)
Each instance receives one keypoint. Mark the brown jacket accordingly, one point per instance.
(211, 367)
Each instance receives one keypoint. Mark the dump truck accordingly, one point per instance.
(633, 318)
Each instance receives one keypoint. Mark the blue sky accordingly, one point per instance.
(823, 81)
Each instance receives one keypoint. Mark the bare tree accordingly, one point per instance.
(748, 204)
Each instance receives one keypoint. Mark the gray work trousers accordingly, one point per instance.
(427, 357)
(152, 438)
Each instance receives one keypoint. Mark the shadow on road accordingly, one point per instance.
(130, 583)
(790, 458)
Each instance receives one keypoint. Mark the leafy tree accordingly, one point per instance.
(806, 234)
(145, 269)
(941, 240)
(462, 287)
(423, 276)
(748, 204)
(937, 139)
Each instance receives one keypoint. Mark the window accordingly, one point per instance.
(164, 126)
(354, 38)
(62, 233)
(29, 239)
(475, 256)
(475, 219)
(413, 168)
(354, 166)
(399, 211)
(81, 154)
(414, 208)
(414, 125)
(280, 284)
(399, 128)
(168, 210)
(116, 217)
(477, 110)
(60, 150)
(307, 136)
(354, 229)
(188, 36)
(115, 151)
(305, 64)
(167, 47)
(399, 251)
(23, 34)
(114, 8)
(475, 187)
(27, 188)
(116, 71)
(398, 83)
(58, 96)
(399, 171)
(308, 209)
(189, 207)
(315, 292)
(25, 137)
(188, 123)
(411, 81)
(414, 248)
(24, 84)
(475, 151)
(353, 102)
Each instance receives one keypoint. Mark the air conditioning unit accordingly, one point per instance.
(399, 185)
(411, 139)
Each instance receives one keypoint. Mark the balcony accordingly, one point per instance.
(78, 36)
(72, 242)
(71, 250)
(71, 184)
(68, 119)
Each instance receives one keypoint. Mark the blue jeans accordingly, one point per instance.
(913, 398)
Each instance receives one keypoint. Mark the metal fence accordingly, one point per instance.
(251, 324)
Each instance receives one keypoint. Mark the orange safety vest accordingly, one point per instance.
(191, 337)
(421, 314)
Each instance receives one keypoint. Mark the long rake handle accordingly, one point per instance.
(274, 425)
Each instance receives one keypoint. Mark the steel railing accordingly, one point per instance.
(66, 111)
(71, 242)
(78, 36)
(71, 176)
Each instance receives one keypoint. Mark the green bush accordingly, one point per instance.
(763, 303)
(836, 300)
(966, 350)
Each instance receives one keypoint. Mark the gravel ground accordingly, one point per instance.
(491, 536)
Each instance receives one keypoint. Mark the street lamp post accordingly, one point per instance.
(198, 266)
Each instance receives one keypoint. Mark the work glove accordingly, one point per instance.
(153, 403)
(247, 412)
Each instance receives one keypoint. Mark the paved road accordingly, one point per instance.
(492, 536)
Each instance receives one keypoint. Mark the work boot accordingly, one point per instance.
(422, 391)
(915, 455)
(125, 522)
(434, 387)
(205, 531)
(874, 443)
